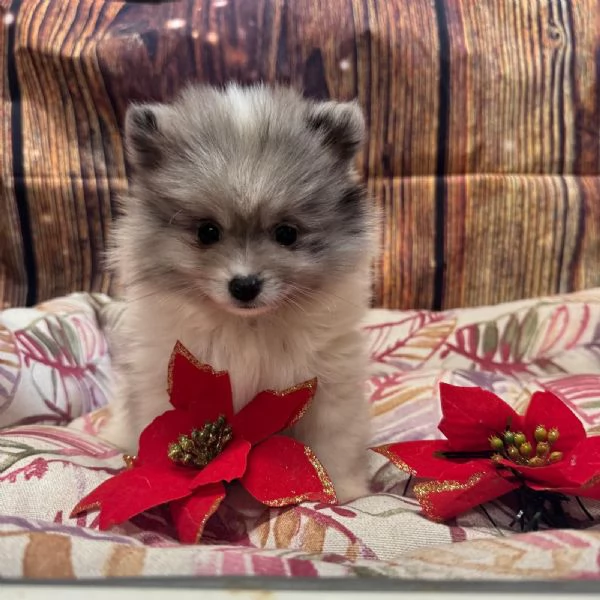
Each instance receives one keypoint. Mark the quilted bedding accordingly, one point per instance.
(54, 376)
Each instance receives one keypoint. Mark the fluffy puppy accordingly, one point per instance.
(248, 236)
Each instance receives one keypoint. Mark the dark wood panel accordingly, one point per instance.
(407, 266)
(585, 58)
(523, 87)
(69, 140)
(506, 91)
(397, 84)
(13, 276)
(583, 266)
(532, 236)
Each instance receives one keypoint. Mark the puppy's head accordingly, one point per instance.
(246, 196)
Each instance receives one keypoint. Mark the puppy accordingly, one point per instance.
(248, 236)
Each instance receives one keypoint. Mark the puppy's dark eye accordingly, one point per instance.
(208, 233)
(286, 235)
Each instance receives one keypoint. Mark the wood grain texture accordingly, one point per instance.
(407, 265)
(484, 128)
(398, 79)
(69, 141)
(530, 231)
(524, 106)
(585, 18)
(511, 85)
(13, 276)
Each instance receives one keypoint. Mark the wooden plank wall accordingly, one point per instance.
(484, 122)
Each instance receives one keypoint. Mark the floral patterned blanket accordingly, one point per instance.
(54, 375)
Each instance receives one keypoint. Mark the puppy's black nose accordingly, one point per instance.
(246, 288)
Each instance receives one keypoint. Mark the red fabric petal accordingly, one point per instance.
(419, 459)
(443, 500)
(94, 500)
(165, 429)
(583, 463)
(272, 412)
(197, 387)
(229, 465)
(191, 514)
(134, 491)
(575, 469)
(552, 476)
(471, 415)
(282, 471)
(550, 411)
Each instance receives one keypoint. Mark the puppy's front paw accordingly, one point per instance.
(350, 488)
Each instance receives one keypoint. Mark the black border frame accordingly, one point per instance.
(341, 584)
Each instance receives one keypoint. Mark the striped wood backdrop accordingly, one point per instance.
(484, 121)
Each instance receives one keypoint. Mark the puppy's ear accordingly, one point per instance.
(144, 134)
(341, 125)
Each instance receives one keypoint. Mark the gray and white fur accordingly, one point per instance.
(248, 236)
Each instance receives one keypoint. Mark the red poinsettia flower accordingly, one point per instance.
(187, 453)
(491, 450)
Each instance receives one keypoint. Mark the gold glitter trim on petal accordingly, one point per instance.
(129, 460)
(591, 482)
(211, 511)
(398, 462)
(326, 483)
(81, 508)
(311, 386)
(181, 350)
(281, 502)
(322, 475)
(424, 491)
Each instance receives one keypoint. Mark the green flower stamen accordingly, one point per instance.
(516, 447)
(540, 434)
(496, 443)
(520, 438)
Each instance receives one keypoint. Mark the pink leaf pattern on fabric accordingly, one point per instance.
(10, 367)
(57, 360)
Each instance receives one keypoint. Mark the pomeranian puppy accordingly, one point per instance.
(248, 236)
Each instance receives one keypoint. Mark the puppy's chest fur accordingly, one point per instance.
(257, 357)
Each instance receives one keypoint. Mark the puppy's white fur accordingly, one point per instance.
(316, 333)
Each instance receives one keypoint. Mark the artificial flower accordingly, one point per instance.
(490, 450)
(187, 453)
